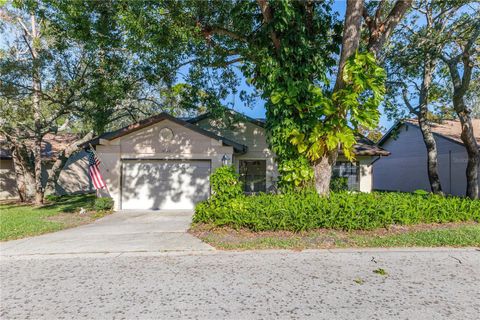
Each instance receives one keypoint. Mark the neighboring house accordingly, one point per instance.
(165, 162)
(406, 168)
(8, 184)
(73, 178)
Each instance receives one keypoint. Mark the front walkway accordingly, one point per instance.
(124, 231)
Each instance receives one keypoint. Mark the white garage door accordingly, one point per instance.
(164, 184)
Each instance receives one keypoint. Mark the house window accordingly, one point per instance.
(348, 170)
(253, 174)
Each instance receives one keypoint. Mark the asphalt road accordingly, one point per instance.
(433, 284)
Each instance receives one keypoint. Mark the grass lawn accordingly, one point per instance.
(425, 235)
(23, 220)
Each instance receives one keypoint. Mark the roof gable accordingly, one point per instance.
(363, 146)
(448, 129)
(258, 122)
(156, 119)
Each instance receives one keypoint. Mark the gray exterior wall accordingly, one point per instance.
(406, 168)
(74, 177)
(8, 184)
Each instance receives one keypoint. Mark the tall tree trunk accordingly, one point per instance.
(425, 128)
(473, 166)
(351, 37)
(468, 138)
(39, 192)
(23, 172)
(379, 33)
(350, 43)
(460, 87)
(323, 172)
(432, 155)
(37, 147)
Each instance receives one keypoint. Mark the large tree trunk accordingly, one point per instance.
(351, 37)
(428, 139)
(37, 147)
(432, 162)
(350, 42)
(323, 172)
(468, 138)
(460, 87)
(62, 159)
(39, 193)
(23, 173)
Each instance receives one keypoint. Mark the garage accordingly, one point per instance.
(160, 163)
(164, 184)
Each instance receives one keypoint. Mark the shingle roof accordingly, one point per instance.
(363, 147)
(366, 147)
(160, 117)
(259, 122)
(451, 128)
(55, 143)
(448, 129)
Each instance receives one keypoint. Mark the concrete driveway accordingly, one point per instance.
(124, 231)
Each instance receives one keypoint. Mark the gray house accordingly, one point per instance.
(406, 167)
(165, 162)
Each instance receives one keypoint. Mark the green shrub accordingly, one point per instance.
(295, 174)
(338, 184)
(103, 204)
(342, 210)
(226, 184)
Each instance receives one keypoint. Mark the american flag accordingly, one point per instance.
(93, 170)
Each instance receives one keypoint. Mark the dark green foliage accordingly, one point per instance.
(226, 184)
(339, 184)
(296, 174)
(343, 210)
(103, 204)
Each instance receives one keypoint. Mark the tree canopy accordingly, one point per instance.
(321, 75)
(288, 50)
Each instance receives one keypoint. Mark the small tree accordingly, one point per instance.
(461, 57)
(55, 80)
(412, 64)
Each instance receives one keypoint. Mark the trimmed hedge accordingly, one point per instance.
(226, 184)
(342, 210)
(103, 204)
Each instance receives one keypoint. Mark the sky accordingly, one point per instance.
(257, 110)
